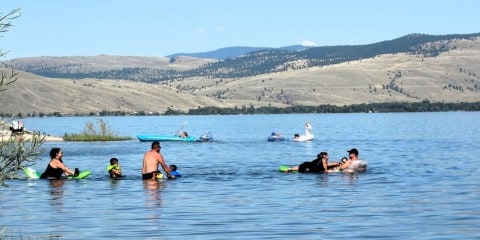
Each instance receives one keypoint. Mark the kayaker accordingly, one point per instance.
(182, 134)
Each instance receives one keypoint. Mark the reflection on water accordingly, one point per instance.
(153, 189)
(56, 191)
(232, 188)
(115, 183)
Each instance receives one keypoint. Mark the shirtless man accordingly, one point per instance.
(151, 160)
(352, 156)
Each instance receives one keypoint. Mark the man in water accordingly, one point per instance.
(352, 157)
(151, 160)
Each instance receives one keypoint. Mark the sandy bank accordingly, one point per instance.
(5, 134)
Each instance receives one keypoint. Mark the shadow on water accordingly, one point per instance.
(56, 191)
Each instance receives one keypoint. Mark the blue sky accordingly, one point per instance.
(163, 27)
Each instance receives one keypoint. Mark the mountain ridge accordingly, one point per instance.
(264, 61)
(234, 52)
(451, 75)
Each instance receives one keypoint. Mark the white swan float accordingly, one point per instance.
(308, 134)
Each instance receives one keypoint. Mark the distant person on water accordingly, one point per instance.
(296, 136)
(56, 167)
(276, 134)
(173, 171)
(114, 169)
(182, 134)
(151, 160)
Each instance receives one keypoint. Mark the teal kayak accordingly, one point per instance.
(156, 137)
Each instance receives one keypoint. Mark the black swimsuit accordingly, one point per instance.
(315, 166)
(51, 172)
(148, 176)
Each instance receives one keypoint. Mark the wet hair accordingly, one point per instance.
(54, 152)
(322, 154)
(113, 161)
(296, 135)
(173, 167)
(155, 144)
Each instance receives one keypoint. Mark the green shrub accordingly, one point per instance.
(90, 133)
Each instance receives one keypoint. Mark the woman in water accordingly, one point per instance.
(55, 167)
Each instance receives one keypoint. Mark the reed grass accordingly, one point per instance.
(90, 133)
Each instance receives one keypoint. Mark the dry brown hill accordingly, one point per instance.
(452, 76)
(106, 62)
(34, 94)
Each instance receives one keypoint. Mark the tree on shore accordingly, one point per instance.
(20, 149)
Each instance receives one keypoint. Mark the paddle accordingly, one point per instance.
(180, 129)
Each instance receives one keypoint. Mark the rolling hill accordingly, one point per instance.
(234, 52)
(438, 69)
(252, 64)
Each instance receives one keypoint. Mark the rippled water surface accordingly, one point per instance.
(422, 182)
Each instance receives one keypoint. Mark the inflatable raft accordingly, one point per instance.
(308, 134)
(275, 137)
(33, 174)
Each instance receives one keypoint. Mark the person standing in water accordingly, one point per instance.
(151, 160)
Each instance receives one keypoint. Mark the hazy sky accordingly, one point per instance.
(163, 27)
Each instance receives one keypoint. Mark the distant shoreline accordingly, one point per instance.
(390, 107)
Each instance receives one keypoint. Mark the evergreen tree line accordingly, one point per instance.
(391, 107)
(424, 106)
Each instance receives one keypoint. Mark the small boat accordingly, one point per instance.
(159, 137)
(275, 137)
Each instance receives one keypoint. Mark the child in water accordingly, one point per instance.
(174, 172)
(114, 168)
(340, 163)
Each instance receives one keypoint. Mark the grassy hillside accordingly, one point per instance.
(35, 94)
(267, 61)
(449, 76)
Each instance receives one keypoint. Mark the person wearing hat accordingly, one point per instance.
(352, 156)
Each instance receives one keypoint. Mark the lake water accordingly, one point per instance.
(423, 180)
